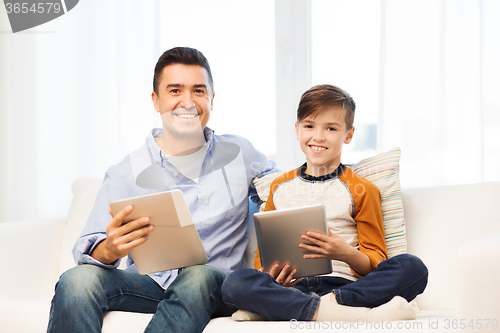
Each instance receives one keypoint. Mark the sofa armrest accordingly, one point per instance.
(479, 282)
(30, 257)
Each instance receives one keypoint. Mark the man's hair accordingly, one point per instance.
(181, 55)
(320, 97)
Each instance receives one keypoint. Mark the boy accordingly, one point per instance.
(364, 285)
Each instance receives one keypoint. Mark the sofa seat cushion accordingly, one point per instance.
(17, 310)
(117, 321)
(427, 321)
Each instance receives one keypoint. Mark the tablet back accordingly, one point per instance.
(278, 236)
(174, 243)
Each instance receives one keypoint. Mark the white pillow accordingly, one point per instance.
(383, 171)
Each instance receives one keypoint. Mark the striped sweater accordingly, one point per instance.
(353, 210)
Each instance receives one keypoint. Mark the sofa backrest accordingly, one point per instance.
(438, 221)
(84, 191)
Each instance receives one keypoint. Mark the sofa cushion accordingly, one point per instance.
(383, 171)
(441, 219)
(485, 253)
(30, 258)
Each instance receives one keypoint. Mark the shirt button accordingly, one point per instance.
(204, 217)
(199, 187)
(176, 174)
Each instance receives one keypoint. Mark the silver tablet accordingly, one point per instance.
(278, 236)
(174, 243)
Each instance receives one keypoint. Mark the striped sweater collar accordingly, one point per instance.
(323, 178)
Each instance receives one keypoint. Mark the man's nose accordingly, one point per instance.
(187, 100)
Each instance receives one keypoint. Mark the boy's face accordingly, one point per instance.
(321, 136)
(184, 99)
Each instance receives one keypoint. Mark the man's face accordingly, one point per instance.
(184, 99)
(321, 137)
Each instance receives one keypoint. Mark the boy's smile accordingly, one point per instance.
(317, 149)
(321, 137)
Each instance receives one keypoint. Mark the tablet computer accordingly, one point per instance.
(278, 236)
(174, 242)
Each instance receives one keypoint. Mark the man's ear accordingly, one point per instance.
(212, 102)
(350, 134)
(154, 97)
(297, 129)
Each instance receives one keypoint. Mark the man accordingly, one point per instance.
(211, 172)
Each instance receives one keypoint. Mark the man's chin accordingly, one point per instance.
(188, 133)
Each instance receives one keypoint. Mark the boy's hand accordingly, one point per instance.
(332, 246)
(283, 277)
(335, 247)
(121, 238)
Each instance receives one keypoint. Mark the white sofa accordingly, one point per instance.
(455, 230)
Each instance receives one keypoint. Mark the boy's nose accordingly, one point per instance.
(318, 136)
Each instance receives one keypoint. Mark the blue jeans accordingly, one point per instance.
(84, 293)
(248, 289)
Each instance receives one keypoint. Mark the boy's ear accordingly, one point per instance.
(349, 136)
(297, 129)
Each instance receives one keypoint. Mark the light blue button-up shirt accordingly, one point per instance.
(217, 200)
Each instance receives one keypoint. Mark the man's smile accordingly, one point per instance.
(185, 113)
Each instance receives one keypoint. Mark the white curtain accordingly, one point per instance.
(439, 89)
(74, 99)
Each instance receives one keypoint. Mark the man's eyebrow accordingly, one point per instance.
(179, 85)
(174, 85)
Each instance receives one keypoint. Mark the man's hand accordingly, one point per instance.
(335, 247)
(283, 277)
(121, 238)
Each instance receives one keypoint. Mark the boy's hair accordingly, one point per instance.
(181, 55)
(324, 96)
